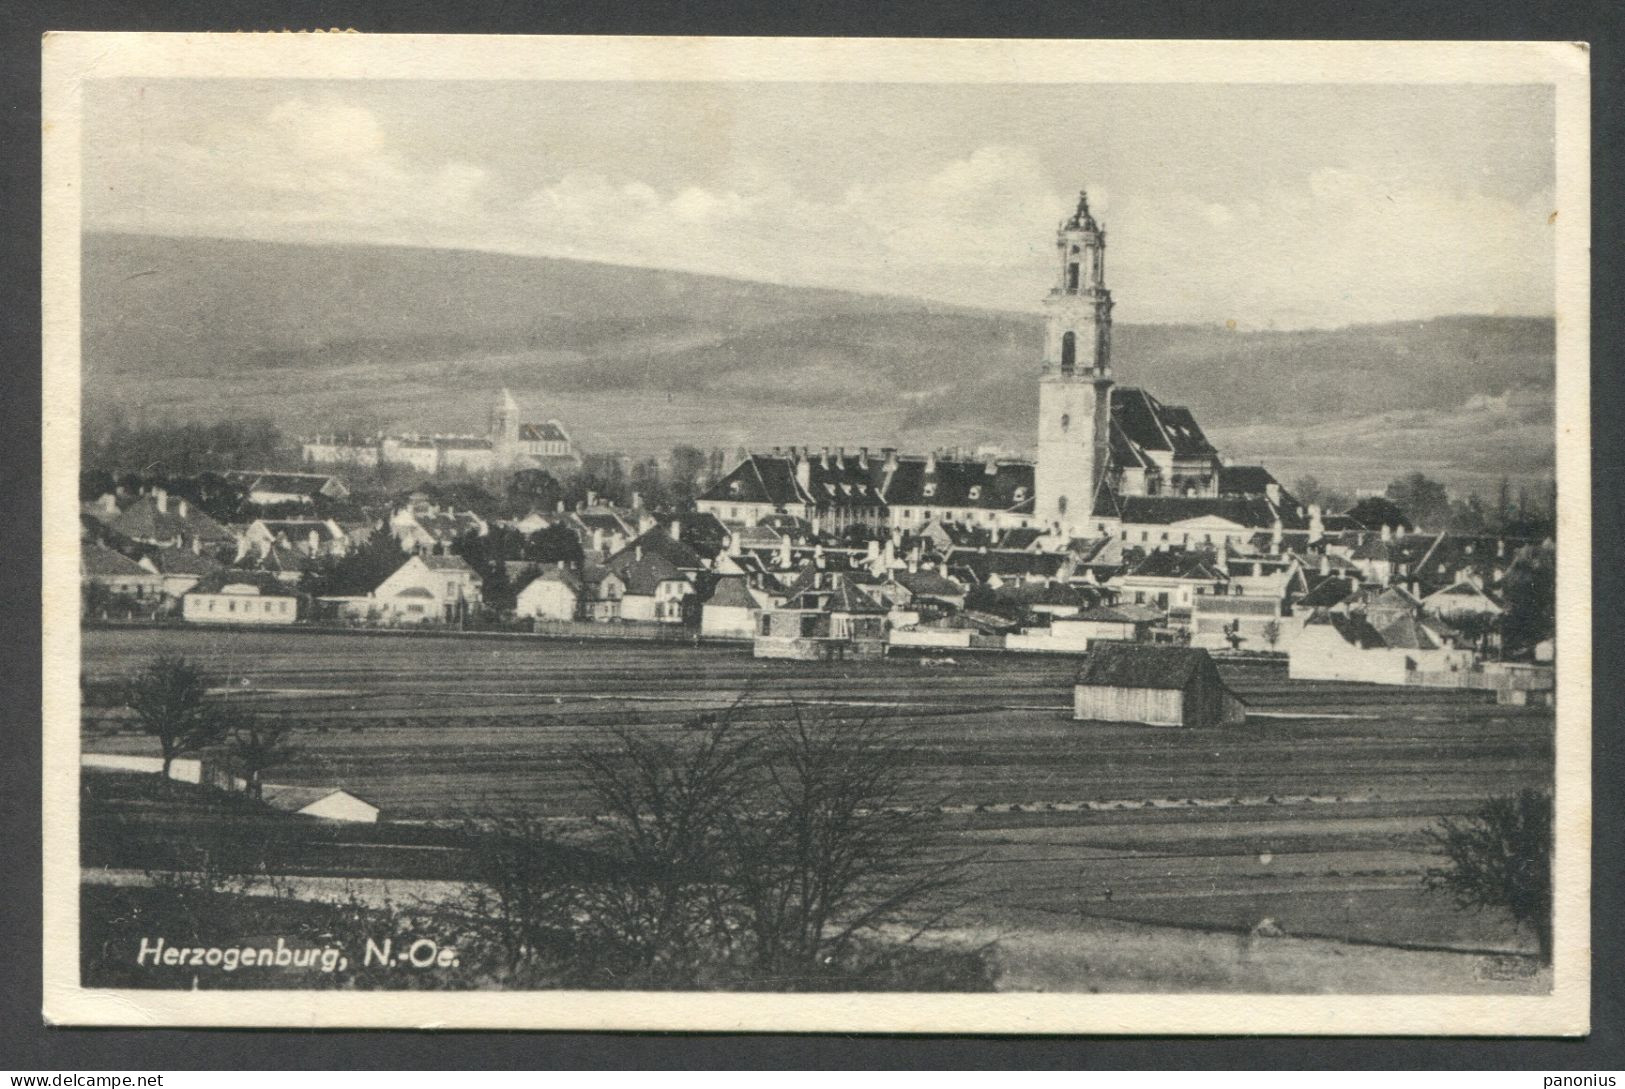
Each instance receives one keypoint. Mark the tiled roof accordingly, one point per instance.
(99, 560)
(643, 576)
(265, 583)
(299, 529)
(290, 483)
(1245, 480)
(851, 481)
(1328, 591)
(543, 432)
(1249, 512)
(447, 563)
(1152, 425)
(928, 584)
(183, 561)
(658, 542)
(1177, 565)
(1138, 665)
(1119, 614)
(1005, 563)
(733, 592)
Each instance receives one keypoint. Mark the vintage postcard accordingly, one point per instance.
(816, 535)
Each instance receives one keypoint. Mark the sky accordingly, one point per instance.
(1264, 205)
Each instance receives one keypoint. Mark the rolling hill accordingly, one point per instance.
(637, 359)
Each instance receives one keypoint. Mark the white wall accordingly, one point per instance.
(931, 637)
(185, 769)
(728, 621)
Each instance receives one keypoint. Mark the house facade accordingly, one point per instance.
(429, 589)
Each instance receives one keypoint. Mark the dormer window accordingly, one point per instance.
(733, 487)
(930, 488)
(975, 491)
(1021, 493)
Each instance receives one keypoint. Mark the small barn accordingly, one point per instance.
(328, 803)
(1154, 685)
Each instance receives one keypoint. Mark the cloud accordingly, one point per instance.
(1333, 245)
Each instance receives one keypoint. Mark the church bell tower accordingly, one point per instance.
(1074, 387)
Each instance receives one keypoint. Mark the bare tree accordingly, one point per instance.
(1271, 633)
(838, 844)
(1501, 857)
(170, 700)
(664, 912)
(255, 748)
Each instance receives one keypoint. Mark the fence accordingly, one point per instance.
(635, 630)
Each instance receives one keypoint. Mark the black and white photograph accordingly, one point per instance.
(816, 534)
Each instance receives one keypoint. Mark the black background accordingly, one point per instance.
(27, 1045)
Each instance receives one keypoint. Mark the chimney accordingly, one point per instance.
(818, 556)
(803, 473)
(890, 453)
(109, 503)
(1317, 529)
(931, 463)
(181, 509)
(314, 540)
(1500, 549)
(840, 457)
(942, 568)
(823, 459)
(560, 506)
(162, 498)
(778, 451)
(1399, 532)
(197, 546)
(637, 553)
(863, 457)
(734, 545)
(1386, 533)
(990, 467)
(592, 498)
(1272, 491)
(1325, 564)
(637, 500)
(871, 551)
(785, 558)
(677, 529)
(1275, 537)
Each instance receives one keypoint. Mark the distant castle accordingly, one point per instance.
(1113, 461)
(507, 444)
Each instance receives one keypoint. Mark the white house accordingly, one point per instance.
(732, 609)
(240, 597)
(1335, 646)
(429, 588)
(1465, 597)
(310, 536)
(655, 589)
(555, 594)
(180, 568)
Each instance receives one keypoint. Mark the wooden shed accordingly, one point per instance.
(1154, 685)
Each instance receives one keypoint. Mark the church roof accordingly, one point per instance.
(1081, 218)
(543, 432)
(1245, 480)
(1152, 425)
(848, 481)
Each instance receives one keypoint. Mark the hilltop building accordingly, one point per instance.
(1113, 461)
(508, 444)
